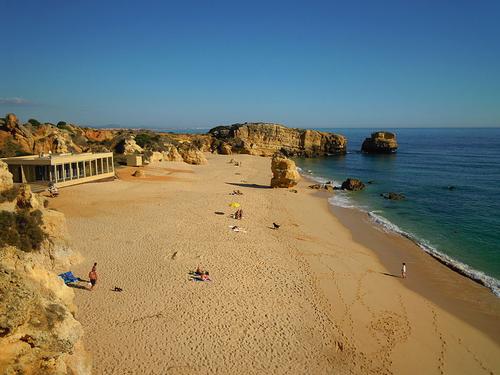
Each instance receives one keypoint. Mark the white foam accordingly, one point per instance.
(342, 199)
(462, 268)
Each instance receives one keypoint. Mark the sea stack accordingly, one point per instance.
(285, 173)
(380, 143)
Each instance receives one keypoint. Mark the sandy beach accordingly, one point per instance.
(320, 295)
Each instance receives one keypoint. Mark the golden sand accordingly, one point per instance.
(308, 298)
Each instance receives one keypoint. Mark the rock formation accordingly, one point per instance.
(128, 146)
(285, 173)
(172, 154)
(352, 184)
(6, 181)
(380, 143)
(393, 196)
(265, 139)
(38, 331)
(192, 155)
(139, 173)
(224, 149)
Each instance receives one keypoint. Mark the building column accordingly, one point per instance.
(107, 165)
(78, 169)
(102, 165)
(84, 169)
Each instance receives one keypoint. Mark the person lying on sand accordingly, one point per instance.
(205, 276)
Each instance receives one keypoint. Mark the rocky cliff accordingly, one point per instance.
(380, 143)
(38, 331)
(262, 139)
(266, 138)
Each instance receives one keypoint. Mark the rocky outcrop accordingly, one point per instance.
(38, 331)
(380, 143)
(26, 200)
(139, 173)
(6, 181)
(285, 174)
(224, 149)
(128, 146)
(393, 196)
(352, 184)
(265, 139)
(328, 187)
(192, 155)
(172, 154)
(153, 156)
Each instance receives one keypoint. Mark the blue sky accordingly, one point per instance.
(201, 64)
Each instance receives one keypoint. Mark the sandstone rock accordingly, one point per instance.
(38, 333)
(224, 149)
(192, 155)
(153, 156)
(267, 138)
(28, 200)
(11, 121)
(316, 186)
(285, 173)
(172, 154)
(6, 181)
(380, 143)
(352, 184)
(393, 196)
(139, 173)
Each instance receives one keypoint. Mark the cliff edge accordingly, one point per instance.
(265, 139)
(38, 331)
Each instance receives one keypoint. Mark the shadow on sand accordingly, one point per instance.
(255, 186)
(77, 286)
(390, 274)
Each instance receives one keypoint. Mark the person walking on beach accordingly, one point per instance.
(93, 276)
(403, 271)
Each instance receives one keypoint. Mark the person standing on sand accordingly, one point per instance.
(93, 276)
(403, 271)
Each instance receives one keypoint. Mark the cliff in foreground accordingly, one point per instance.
(38, 331)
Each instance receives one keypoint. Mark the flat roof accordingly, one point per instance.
(53, 159)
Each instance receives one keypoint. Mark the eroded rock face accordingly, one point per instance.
(265, 139)
(352, 184)
(172, 154)
(192, 155)
(224, 149)
(153, 156)
(38, 331)
(26, 200)
(380, 143)
(285, 173)
(6, 181)
(128, 146)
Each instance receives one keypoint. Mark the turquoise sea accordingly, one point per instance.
(459, 225)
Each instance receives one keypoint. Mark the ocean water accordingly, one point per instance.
(460, 226)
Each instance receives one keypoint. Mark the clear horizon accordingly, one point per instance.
(196, 65)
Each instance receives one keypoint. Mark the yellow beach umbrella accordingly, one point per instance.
(234, 205)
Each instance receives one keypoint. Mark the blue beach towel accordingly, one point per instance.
(68, 277)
